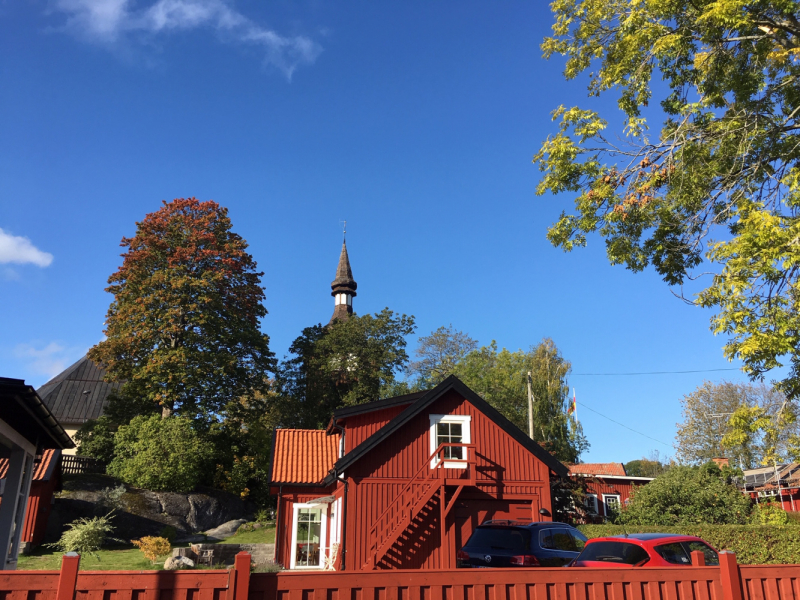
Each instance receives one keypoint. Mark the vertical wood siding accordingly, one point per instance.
(360, 427)
(599, 486)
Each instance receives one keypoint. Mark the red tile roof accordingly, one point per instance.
(303, 455)
(598, 469)
(42, 469)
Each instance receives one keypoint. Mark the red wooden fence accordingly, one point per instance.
(726, 582)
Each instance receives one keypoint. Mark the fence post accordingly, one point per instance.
(68, 578)
(242, 567)
(698, 559)
(729, 576)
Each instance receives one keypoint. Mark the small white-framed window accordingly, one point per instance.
(453, 429)
(590, 502)
(611, 502)
(308, 536)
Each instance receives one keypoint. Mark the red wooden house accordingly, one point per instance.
(609, 488)
(45, 481)
(402, 482)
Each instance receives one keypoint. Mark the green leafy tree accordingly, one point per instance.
(345, 363)
(438, 355)
(160, 454)
(772, 428)
(688, 496)
(719, 180)
(500, 377)
(706, 429)
(183, 328)
(646, 467)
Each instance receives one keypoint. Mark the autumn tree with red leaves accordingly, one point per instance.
(183, 329)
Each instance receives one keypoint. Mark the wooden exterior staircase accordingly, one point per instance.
(416, 497)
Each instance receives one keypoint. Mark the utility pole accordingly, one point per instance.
(530, 407)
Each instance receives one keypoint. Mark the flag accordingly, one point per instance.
(573, 406)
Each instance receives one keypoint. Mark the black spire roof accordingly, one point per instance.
(343, 284)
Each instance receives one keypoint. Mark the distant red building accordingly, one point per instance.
(401, 483)
(779, 484)
(609, 487)
(46, 480)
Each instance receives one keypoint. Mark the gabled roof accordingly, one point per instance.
(615, 469)
(303, 456)
(428, 398)
(43, 468)
(23, 410)
(79, 393)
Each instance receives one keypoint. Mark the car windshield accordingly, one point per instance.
(500, 538)
(617, 552)
(673, 553)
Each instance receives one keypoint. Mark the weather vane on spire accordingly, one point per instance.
(344, 229)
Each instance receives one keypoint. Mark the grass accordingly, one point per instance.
(128, 558)
(264, 535)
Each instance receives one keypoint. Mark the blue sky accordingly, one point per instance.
(416, 122)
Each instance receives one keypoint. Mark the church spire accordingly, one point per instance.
(343, 288)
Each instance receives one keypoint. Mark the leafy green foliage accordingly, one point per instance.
(645, 467)
(183, 329)
(438, 355)
(769, 513)
(753, 545)
(85, 536)
(773, 427)
(160, 454)
(707, 430)
(500, 377)
(345, 363)
(688, 496)
(724, 163)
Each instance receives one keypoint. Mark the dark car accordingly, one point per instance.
(644, 549)
(499, 543)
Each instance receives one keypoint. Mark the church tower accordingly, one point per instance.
(343, 288)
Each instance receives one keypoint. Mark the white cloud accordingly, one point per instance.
(19, 250)
(49, 360)
(109, 21)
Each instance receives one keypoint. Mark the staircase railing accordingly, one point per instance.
(413, 497)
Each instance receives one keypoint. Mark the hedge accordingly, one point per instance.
(753, 544)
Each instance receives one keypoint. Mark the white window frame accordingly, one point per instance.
(323, 530)
(605, 502)
(466, 437)
(594, 501)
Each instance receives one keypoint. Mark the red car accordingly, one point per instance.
(643, 549)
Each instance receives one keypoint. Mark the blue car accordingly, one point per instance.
(502, 543)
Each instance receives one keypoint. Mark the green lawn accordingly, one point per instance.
(265, 535)
(128, 559)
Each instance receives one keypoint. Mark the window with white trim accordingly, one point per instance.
(590, 502)
(612, 503)
(308, 535)
(450, 429)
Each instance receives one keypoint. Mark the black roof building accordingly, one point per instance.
(78, 394)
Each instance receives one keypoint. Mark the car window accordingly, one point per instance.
(562, 540)
(500, 539)
(546, 540)
(674, 553)
(712, 558)
(618, 552)
(578, 538)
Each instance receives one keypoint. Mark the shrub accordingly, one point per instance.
(168, 532)
(153, 547)
(85, 536)
(245, 527)
(685, 496)
(159, 454)
(753, 544)
(769, 514)
(96, 439)
(265, 516)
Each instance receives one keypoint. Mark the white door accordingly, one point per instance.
(308, 536)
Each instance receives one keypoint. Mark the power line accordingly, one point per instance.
(653, 372)
(625, 426)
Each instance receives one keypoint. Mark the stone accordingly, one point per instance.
(225, 530)
(173, 563)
